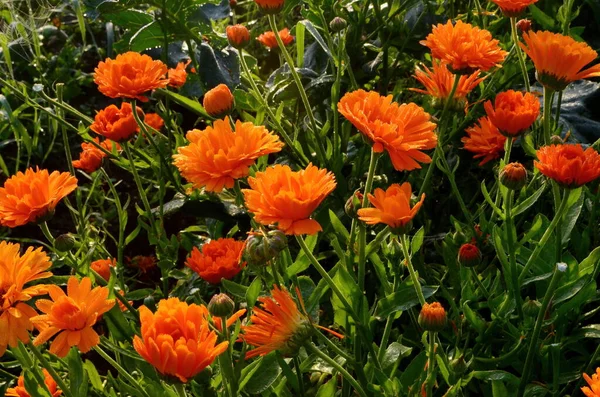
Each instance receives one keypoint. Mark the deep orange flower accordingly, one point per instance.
(217, 155)
(102, 267)
(178, 76)
(270, 6)
(238, 36)
(130, 75)
(20, 391)
(559, 59)
(27, 197)
(469, 255)
(116, 124)
(177, 339)
(90, 158)
(392, 206)
(16, 270)
(485, 140)
(218, 259)
(594, 384)
(154, 121)
(513, 112)
(71, 316)
(218, 101)
(524, 25)
(144, 263)
(280, 195)
(432, 317)
(463, 47)
(569, 165)
(402, 130)
(268, 38)
(513, 8)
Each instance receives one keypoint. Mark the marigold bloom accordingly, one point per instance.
(130, 75)
(154, 121)
(238, 36)
(218, 101)
(20, 391)
(218, 259)
(144, 263)
(513, 8)
(594, 384)
(463, 47)
(524, 25)
(71, 316)
(513, 112)
(116, 124)
(280, 195)
(513, 176)
(90, 158)
(217, 155)
(559, 59)
(102, 267)
(569, 165)
(270, 6)
(16, 270)
(177, 339)
(402, 130)
(178, 75)
(432, 317)
(469, 255)
(268, 38)
(485, 140)
(27, 197)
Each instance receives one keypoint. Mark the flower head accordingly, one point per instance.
(71, 316)
(130, 75)
(154, 121)
(559, 59)
(218, 101)
(513, 8)
(463, 47)
(20, 391)
(268, 38)
(238, 36)
(432, 317)
(513, 176)
(469, 255)
(116, 124)
(594, 384)
(485, 140)
(177, 340)
(513, 112)
(218, 259)
(402, 130)
(569, 165)
(27, 197)
(102, 267)
(270, 6)
(144, 263)
(524, 25)
(280, 195)
(90, 158)
(217, 155)
(178, 75)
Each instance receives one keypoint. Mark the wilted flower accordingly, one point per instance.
(513, 112)
(484, 140)
(218, 259)
(218, 101)
(20, 391)
(513, 8)
(268, 38)
(569, 165)
(238, 36)
(178, 75)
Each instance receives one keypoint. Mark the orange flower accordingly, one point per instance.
(513, 112)
(71, 316)
(594, 384)
(270, 6)
(218, 101)
(485, 140)
(392, 207)
(102, 267)
(144, 263)
(130, 75)
(463, 47)
(15, 271)
(178, 76)
(524, 25)
(218, 323)
(90, 159)
(280, 195)
(27, 197)
(20, 390)
(402, 130)
(177, 339)
(469, 255)
(432, 317)
(569, 165)
(116, 124)
(238, 36)
(559, 59)
(218, 259)
(513, 8)
(217, 155)
(154, 121)
(268, 38)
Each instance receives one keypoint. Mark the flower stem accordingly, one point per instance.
(512, 254)
(46, 231)
(362, 231)
(411, 270)
(299, 375)
(547, 115)
(180, 389)
(515, 39)
(430, 368)
(122, 371)
(59, 381)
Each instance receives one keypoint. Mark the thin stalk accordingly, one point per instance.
(547, 115)
(335, 348)
(66, 144)
(480, 284)
(515, 39)
(512, 254)
(430, 368)
(180, 389)
(386, 335)
(362, 231)
(558, 105)
(121, 238)
(299, 374)
(227, 361)
(411, 270)
(122, 371)
(59, 381)
(46, 231)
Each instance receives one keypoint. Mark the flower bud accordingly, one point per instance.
(556, 140)
(524, 25)
(221, 305)
(64, 242)
(432, 317)
(459, 365)
(218, 101)
(337, 24)
(353, 204)
(270, 6)
(531, 308)
(469, 255)
(261, 248)
(238, 36)
(513, 176)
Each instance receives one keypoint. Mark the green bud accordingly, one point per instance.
(64, 242)
(221, 305)
(338, 24)
(531, 308)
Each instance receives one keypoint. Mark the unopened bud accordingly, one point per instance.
(263, 247)
(556, 140)
(432, 317)
(353, 204)
(338, 24)
(513, 176)
(64, 242)
(221, 305)
(531, 308)
(469, 255)
(524, 25)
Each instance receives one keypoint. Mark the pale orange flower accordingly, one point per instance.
(218, 101)
(513, 112)
(513, 8)
(402, 130)
(27, 197)
(177, 339)
(270, 6)
(217, 155)
(218, 259)
(178, 76)
(154, 121)
(568, 164)
(20, 391)
(594, 384)
(102, 267)
(287, 198)
(90, 158)
(238, 36)
(16, 270)
(116, 124)
(72, 316)
(485, 140)
(268, 38)
(130, 75)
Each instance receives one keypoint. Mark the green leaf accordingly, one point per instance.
(190, 104)
(315, 33)
(253, 291)
(489, 200)
(235, 288)
(328, 389)
(93, 375)
(496, 375)
(339, 227)
(417, 240)
(403, 299)
(78, 381)
(497, 236)
(33, 387)
(265, 375)
(545, 21)
(528, 202)
(350, 290)
(393, 354)
(302, 262)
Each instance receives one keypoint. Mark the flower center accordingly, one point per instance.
(68, 314)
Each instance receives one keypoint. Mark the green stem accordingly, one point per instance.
(46, 232)
(480, 284)
(515, 39)
(411, 270)
(335, 348)
(386, 335)
(122, 371)
(59, 381)
(362, 231)
(229, 370)
(547, 115)
(122, 226)
(512, 252)
(430, 368)
(461, 202)
(558, 105)
(180, 389)
(299, 375)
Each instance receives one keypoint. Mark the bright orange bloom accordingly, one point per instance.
(102, 267)
(90, 159)
(217, 155)
(280, 195)
(218, 323)
(27, 197)
(72, 316)
(154, 121)
(218, 259)
(402, 130)
(177, 339)
(144, 263)
(268, 38)
(513, 112)
(392, 206)
(485, 140)
(270, 6)
(569, 165)
(463, 47)
(594, 384)
(20, 391)
(15, 271)
(559, 59)
(432, 317)
(513, 8)
(178, 76)
(218, 101)
(116, 124)
(238, 36)
(130, 75)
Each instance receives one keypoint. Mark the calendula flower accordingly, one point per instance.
(16, 271)
(178, 75)
(469, 255)
(485, 140)
(218, 322)
(177, 339)
(142, 262)
(465, 48)
(513, 8)
(513, 176)
(130, 75)
(559, 60)
(30, 196)
(287, 198)
(217, 155)
(392, 207)
(513, 112)
(117, 124)
(432, 317)
(218, 101)
(270, 6)
(594, 384)
(72, 316)
(218, 259)
(154, 121)
(401, 130)
(238, 36)
(569, 165)
(20, 391)
(524, 25)
(90, 158)
(102, 267)
(268, 38)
